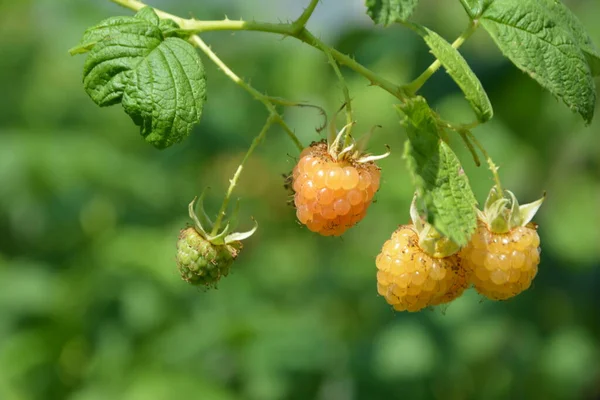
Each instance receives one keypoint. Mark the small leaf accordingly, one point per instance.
(441, 184)
(159, 80)
(459, 70)
(386, 12)
(541, 43)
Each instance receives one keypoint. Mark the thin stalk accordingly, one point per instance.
(463, 134)
(300, 23)
(489, 160)
(195, 39)
(345, 91)
(415, 85)
(233, 181)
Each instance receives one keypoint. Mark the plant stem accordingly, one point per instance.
(300, 23)
(464, 135)
(233, 181)
(415, 85)
(374, 78)
(195, 39)
(489, 160)
(345, 91)
(196, 26)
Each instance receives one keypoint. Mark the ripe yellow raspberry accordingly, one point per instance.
(332, 195)
(502, 265)
(503, 255)
(411, 279)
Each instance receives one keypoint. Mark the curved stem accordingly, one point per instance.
(345, 91)
(374, 78)
(196, 26)
(195, 39)
(233, 181)
(489, 160)
(415, 85)
(464, 135)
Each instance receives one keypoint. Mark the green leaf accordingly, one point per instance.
(541, 44)
(159, 80)
(109, 27)
(386, 12)
(580, 35)
(441, 184)
(475, 7)
(459, 70)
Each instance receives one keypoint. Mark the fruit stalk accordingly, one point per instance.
(195, 39)
(345, 91)
(233, 181)
(493, 167)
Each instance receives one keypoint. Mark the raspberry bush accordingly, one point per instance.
(149, 63)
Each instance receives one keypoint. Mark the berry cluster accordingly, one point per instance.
(332, 195)
(333, 185)
(417, 267)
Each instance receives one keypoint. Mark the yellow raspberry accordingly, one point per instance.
(502, 265)
(332, 195)
(410, 279)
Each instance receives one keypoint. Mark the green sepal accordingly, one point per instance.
(238, 236)
(204, 226)
(502, 213)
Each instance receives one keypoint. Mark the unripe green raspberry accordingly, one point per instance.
(201, 262)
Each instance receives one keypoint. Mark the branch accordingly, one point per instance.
(347, 99)
(300, 23)
(195, 39)
(195, 26)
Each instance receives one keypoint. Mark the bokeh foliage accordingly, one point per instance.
(92, 307)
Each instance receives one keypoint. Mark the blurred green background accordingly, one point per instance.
(92, 306)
